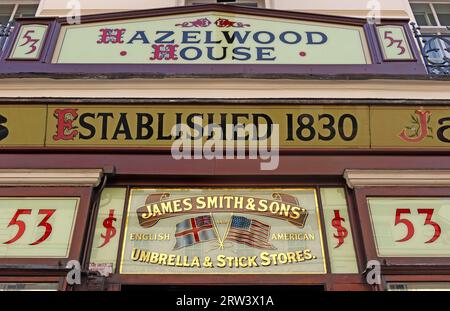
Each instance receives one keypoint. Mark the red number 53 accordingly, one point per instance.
(21, 225)
(410, 227)
(392, 41)
(29, 39)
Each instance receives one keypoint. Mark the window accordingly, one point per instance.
(433, 17)
(10, 10)
(443, 13)
(246, 3)
(6, 13)
(28, 286)
(419, 286)
(423, 14)
(431, 14)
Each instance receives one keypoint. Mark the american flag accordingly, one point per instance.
(250, 232)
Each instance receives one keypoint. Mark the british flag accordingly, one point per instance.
(194, 230)
(249, 232)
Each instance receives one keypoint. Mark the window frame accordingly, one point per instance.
(16, 4)
(429, 28)
(80, 221)
(433, 281)
(329, 280)
(60, 280)
(368, 237)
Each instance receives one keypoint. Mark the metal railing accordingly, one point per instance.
(435, 50)
(5, 32)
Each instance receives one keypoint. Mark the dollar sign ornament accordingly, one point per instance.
(341, 232)
(110, 229)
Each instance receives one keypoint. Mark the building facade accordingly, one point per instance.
(185, 142)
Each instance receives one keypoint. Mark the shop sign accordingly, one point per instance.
(341, 249)
(30, 42)
(240, 231)
(394, 43)
(300, 126)
(420, 127)
(410, 227)
(156, 126)
(22, 125)
(107, 231)
(36, 227)
(211, 38)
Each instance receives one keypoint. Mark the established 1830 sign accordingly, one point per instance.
(300, 126)
(222, 231)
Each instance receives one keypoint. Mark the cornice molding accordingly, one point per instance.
(50, 177)
(406, 178)
(224, 88)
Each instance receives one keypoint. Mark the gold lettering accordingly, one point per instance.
(238, 202)
(154, 258)
(201, 202)
(187, 204)
(274, 207)
(176, 206)
(307, 253)
(228, 199)
(295, 213)
(148, 214)
(162, 259)
(291, 257)
(262, 205)
(299, 255)
(156, 210)
(212, 202)
(195, 262)
(135, 254)
(265, 260)
(166, 207)
(284, 209)
(145, 256)
(221, 261)
(171, 261)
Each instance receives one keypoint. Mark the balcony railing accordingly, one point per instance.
(435, 50)
(5, 32)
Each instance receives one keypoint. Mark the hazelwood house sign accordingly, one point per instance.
(212, 38)
(213, 35)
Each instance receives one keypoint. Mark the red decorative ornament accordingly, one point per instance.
(226, 23)
(201, 22)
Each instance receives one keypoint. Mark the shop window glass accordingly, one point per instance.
(21, 226)
(419, 286)
(411, 227)
(338, 231)
(240, 231)
(28, 286)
